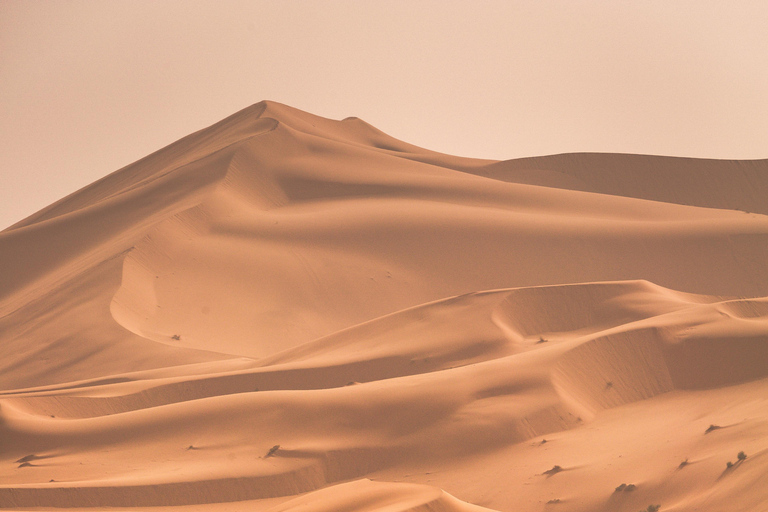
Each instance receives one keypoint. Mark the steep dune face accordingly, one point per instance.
(281, 303)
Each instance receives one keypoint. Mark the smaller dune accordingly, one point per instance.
(367, 496)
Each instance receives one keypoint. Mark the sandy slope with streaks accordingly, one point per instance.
(284, 312)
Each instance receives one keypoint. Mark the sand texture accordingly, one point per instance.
(283, 312)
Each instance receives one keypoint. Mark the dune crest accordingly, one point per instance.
(286, 312)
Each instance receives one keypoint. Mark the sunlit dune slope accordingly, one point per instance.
(283, 304)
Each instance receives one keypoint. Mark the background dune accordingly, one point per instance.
(286, 312)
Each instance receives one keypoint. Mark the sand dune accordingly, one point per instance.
(285, 312)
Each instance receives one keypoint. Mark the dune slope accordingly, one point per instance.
(284, 312)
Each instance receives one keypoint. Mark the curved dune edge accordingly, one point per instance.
(359, 495)
(606, 341)
(371, 496)
(189, 492)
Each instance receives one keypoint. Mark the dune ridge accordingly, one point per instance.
(287, 312)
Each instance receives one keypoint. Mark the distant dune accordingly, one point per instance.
(283, 312)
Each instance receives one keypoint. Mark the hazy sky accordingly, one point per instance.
(87, 87)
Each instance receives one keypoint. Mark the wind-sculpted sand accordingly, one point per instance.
(287, 313)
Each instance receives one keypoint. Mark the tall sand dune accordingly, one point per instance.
(284, 312)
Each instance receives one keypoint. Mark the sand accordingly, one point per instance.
(283, 312)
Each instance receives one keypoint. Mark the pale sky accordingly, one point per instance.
(87, 87)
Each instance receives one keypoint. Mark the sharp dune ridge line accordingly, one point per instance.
(284, 312)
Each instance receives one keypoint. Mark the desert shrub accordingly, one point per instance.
(729, 464)
(741, 456)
